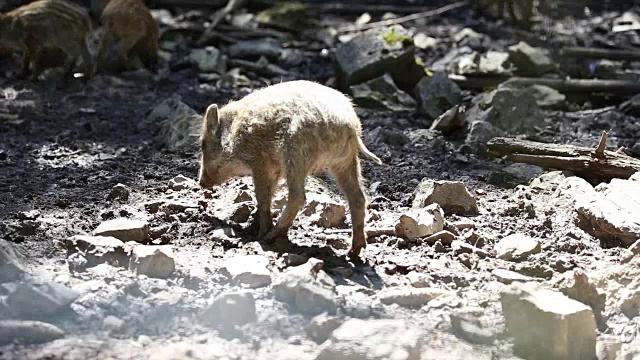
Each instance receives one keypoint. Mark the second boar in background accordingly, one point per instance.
(289, 130)
(48, 33)
(129, 24)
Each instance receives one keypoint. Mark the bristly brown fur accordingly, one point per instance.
(130, 23)
(48, 32)
(288, 130)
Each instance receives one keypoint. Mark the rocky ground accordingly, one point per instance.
(111, 250)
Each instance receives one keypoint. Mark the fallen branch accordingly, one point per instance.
(562, 85)
(577, 115)
(600, 53)
(478, 82)
(231, 6)
(234, 34)
(581, 160)
(403, 19)
(261, 67)
(602, 145)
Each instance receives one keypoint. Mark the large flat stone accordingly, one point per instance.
(359, 339)
(247, 271)
(124, 229)
(546, 324)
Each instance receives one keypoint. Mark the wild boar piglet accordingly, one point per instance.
(289, 130)
(48, 33)
(129, 25)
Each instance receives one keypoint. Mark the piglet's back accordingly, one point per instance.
(298, 100)
(46, 15)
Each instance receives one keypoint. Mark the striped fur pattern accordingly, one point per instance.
(48, 33)
(130, 23)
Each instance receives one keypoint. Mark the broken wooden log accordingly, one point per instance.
(618, 87)
(600, 53)
(602, 145)
(582, 161)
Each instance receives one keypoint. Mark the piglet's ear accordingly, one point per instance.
(211, 123)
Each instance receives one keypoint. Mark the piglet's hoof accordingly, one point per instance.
(354, 251)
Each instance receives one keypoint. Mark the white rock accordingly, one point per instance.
(324, 211)
(209, 59)
(240, 212)
(178, 123)
(608, 347)
(546, 324)
(547, 97)
(469, 324)
(630, 351)
(443, 345)
(10, 262)
(230, 309)
(507, 277)
(113, 324)
(423, 41)
(321, 326)
(452, 196)
(417, 223)
(410, 297)
(445, 237)
(516, 247)
(462, 247)
(419, 280)
(97, 249)
(614, 211)
(373, 340)
(548, 182)
(571, 190)
(629, 298)
(179, 349)
(28, 332)
(307, 288)
(41, 298)
(169, 205)
(124, 229)
(120, 192)
(153, 260)
(530, 61)
(247, 271)
(181, 182)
